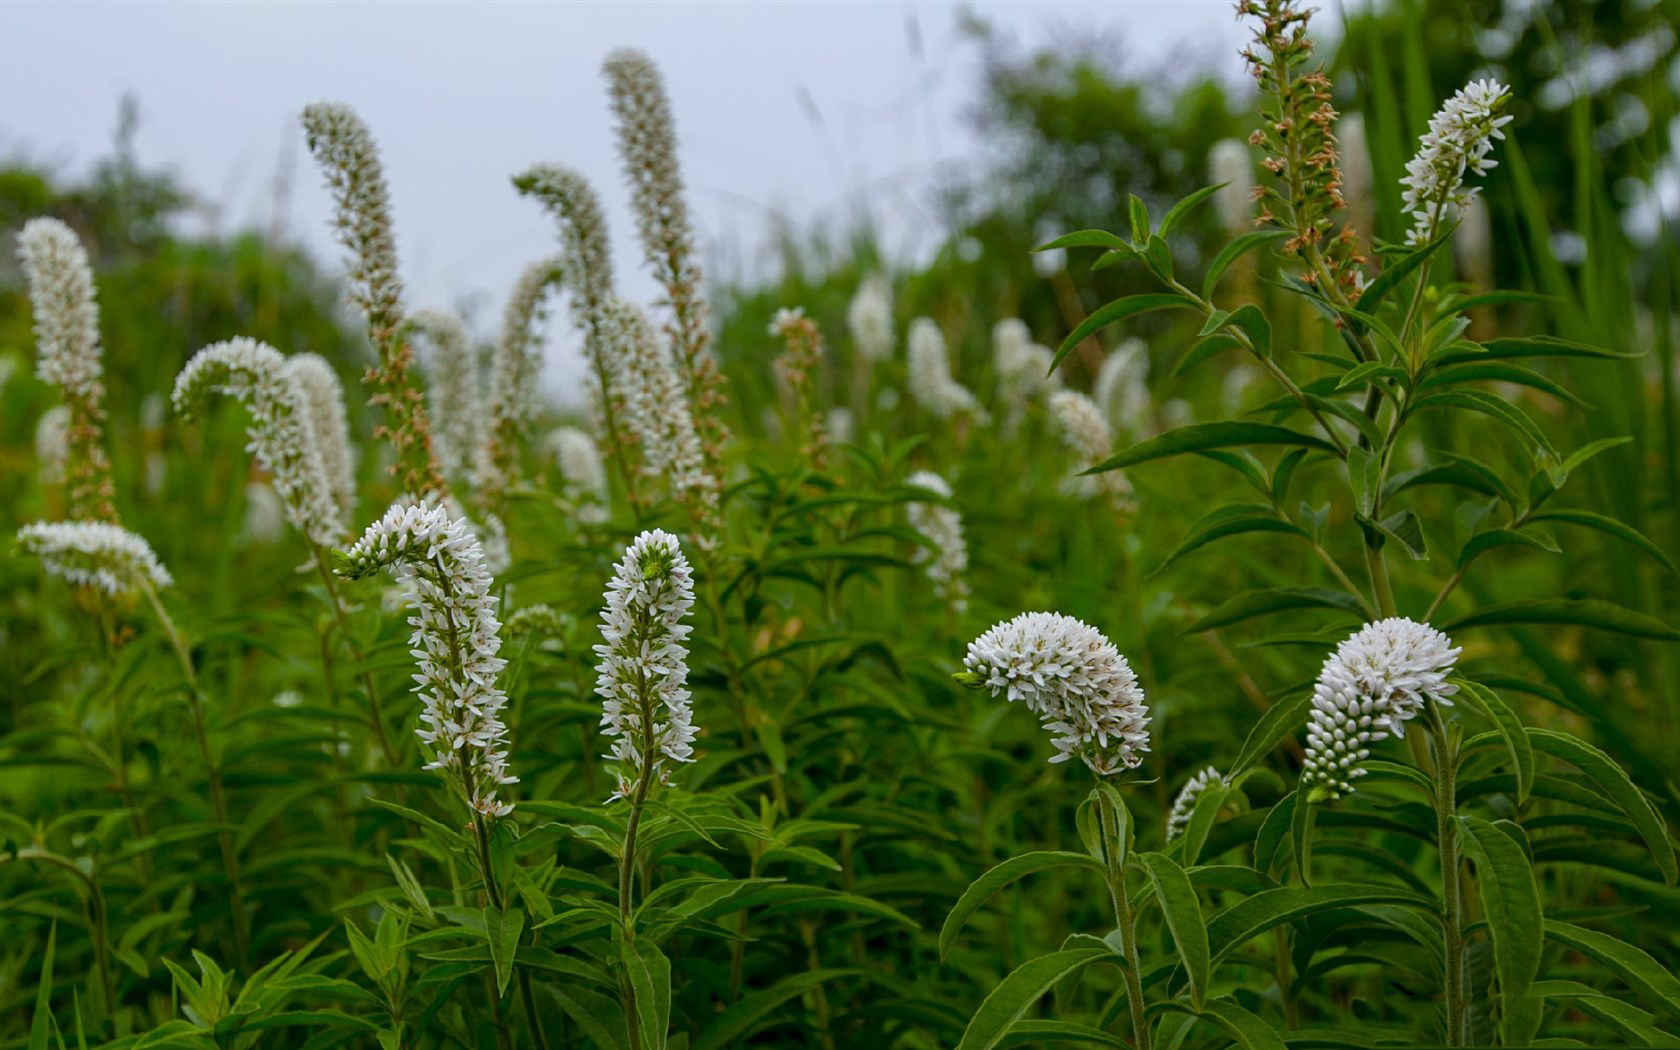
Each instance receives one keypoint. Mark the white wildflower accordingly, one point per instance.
(931, 383)
(52, 444)
(946, 556)
(513, 373)
(94, 554)
(456, 404)
(582, 470)
(1230, 162)
(1067, 673)
(1023, 367)
(1375, 681)
(323, 397)
(455, 644)
(642, 662)
(355, 176)
(1460, 137)
(1086, 432)
(1122, 388)
(869, 317)
(656, 410)
(1184, 803)
(62, 301)
(281, 435)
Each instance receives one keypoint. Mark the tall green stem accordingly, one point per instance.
(342, 617)
(1446, 831)
(1126, 923)
(218, 796)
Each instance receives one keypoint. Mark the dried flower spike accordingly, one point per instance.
(642, 663)
(1067, 673)
(795, 370)
(95, 554)
(1378, 679)
(455, 644)
(66, 315)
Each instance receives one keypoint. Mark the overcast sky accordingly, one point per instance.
(807, 110)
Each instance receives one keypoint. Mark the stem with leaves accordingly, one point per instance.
(1445, 748)
(1113, 828)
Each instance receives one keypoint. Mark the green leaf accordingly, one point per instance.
(981, 889)
(1203, 815)
(1183, 913)
(596, 1015)
(1528, 346)
(1488, 405)
(1252, 916)
(1274, 828)
(738, 1021)
(1627, 533)
(1229, 521)
(1511, 903)
(1497, 371)
(1199, 437)
(1392, 275)
(1235, 249)
(1280, 721)
(1455, 471)
(1261, 603)
(1250, 1031)
(1615, 784)
(1652, 980)
(1517, 743)
(1250, 320)
(1113, 313)
(1038, 1033)
(1483, 542)
(1588, 612)
(1176, 214)
(1139, 216)
(650, 982)
(501, 933)
(1016, 994)
(1086, 239)
(1210, 346)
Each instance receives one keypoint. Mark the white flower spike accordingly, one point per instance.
(94, 554)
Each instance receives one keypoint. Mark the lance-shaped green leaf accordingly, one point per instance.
(1016, 994)
(1233, 520)
(1085, 239)
(1248, 918)
(1511, 902)
(1615, 784)
(1494, 407)
(981, 889)
(1517, 743)
(1177, 213)
(1394, 273)
(1183, 913)
(1199, 437)
(1280, 721)
(1261, 603)
(1235, 249)
(1113, 313)
(1610, 526)
(1588, 612)
(1249, 1030)
(1654, 982)
(1527, 346)
(742, 1017)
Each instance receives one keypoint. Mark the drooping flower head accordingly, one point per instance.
(945, 559)
(66, 316)
(1080, 687)
(281, 433)
(1086, 432)
(323, 397)
(869, 317)
(95, 554)
(456, 642)
(647, 143)
(349, 159)
(642, 662)
(1184, 803)
(456, 402)
(1377, 680)
(513, 372)
(931, 383)
(1459, 139)
(582, 471)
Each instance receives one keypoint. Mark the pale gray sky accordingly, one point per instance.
(462, 95)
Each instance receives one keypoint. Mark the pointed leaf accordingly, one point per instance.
(1511, 903)
(1184, 919)
(1113, 313)
(981, 889)
(1201, 436)
(1016, 994)
(1587, 612)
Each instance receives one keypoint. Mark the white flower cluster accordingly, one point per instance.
(455, 644)
(656, 410)
(52, 444)
(281, 433)
(1459, 139)
(642, 661)
(455, 403)
(323, 396)
(62, 301)
(869, 317)
(1122, 388)
(1184, 803)
(946, 557)
(1376, 680)
(349, 158)
(1023, 367)
(1073, 678)
(931, 383)
(583, 472)
(1230, 163)
(513, 373)
(94, 554)
(1086, 432)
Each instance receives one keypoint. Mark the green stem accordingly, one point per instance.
(1446, 831)
(1126, 923)
(218, 795)
(342, 617)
